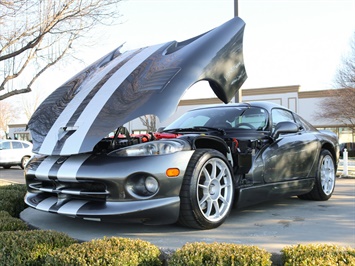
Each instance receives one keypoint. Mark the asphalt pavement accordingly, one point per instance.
(271, 225)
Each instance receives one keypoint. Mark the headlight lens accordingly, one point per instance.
(150, 148)
(151, 184)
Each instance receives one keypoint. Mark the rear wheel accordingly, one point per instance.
(207, 191)
(24, 161)
(325, 179)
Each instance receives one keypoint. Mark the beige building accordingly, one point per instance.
(18, 131)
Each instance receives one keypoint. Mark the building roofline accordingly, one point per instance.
(271, 90)
(314, 94)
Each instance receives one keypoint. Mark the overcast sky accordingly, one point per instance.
(286, 42)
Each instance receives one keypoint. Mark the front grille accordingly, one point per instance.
(87, 190)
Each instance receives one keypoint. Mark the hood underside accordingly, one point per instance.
(120, 87)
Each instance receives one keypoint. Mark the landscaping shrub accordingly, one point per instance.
(9, 223)
(318, 254)
(220, 254)
(30, 247)
(12, 199)
(107, 251)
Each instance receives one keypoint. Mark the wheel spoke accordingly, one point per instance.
(217, 209)
(207, 174)
(214, 169)
(203, 200)
(203, 186)
(223, 199)
(221, 173)
(209, 207)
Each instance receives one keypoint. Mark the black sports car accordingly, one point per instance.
(193, 171)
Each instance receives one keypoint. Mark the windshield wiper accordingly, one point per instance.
(196, 129)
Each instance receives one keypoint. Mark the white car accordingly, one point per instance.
(15, 152)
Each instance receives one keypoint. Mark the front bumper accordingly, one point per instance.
(96, 187)
(153, 211)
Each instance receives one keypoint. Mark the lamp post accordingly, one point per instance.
(236, 8)
(238, 95)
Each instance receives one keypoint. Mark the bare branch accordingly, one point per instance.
(339, 105)
(14, 92)
(35, 35)
(7, 114)
(149, 121)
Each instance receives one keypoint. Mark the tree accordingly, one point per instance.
(7, 114)
(149, 121)
(345, 77)
(29, 105)
(35, 35)
(339, 105)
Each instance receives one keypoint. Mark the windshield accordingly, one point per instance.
(251, 118)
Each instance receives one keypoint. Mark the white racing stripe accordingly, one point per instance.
(85, 88)
(46, 204)
(43, 169)
(72, 207)
(87, 117)
(68, 170)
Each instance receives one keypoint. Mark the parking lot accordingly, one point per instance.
(271, 225)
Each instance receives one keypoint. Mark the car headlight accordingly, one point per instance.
(142, 185)
(150, 148)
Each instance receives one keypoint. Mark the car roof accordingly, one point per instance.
(15, 140)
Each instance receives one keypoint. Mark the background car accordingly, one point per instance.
(15, 153)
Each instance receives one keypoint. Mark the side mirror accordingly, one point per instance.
(285, 127)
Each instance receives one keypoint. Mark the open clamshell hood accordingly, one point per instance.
(120, 87)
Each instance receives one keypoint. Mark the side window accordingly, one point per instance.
(5, 145)
(304, 124)
(16, 145)
(25, 145)
(280, 115)
(256, 117)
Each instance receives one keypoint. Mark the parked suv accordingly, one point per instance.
(14, 152)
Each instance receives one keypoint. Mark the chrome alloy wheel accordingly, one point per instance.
(327, 174)
(215, 190)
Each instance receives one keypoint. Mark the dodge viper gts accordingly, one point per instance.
(193, 171)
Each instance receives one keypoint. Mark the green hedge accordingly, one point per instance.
(12, 199)
(30, 247)
(9, 223)
(318, 254)
(220, 254)
(107, 251)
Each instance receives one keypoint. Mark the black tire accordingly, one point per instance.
(207, 191)
(325, 178)
(6, 166)
(24, 161)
